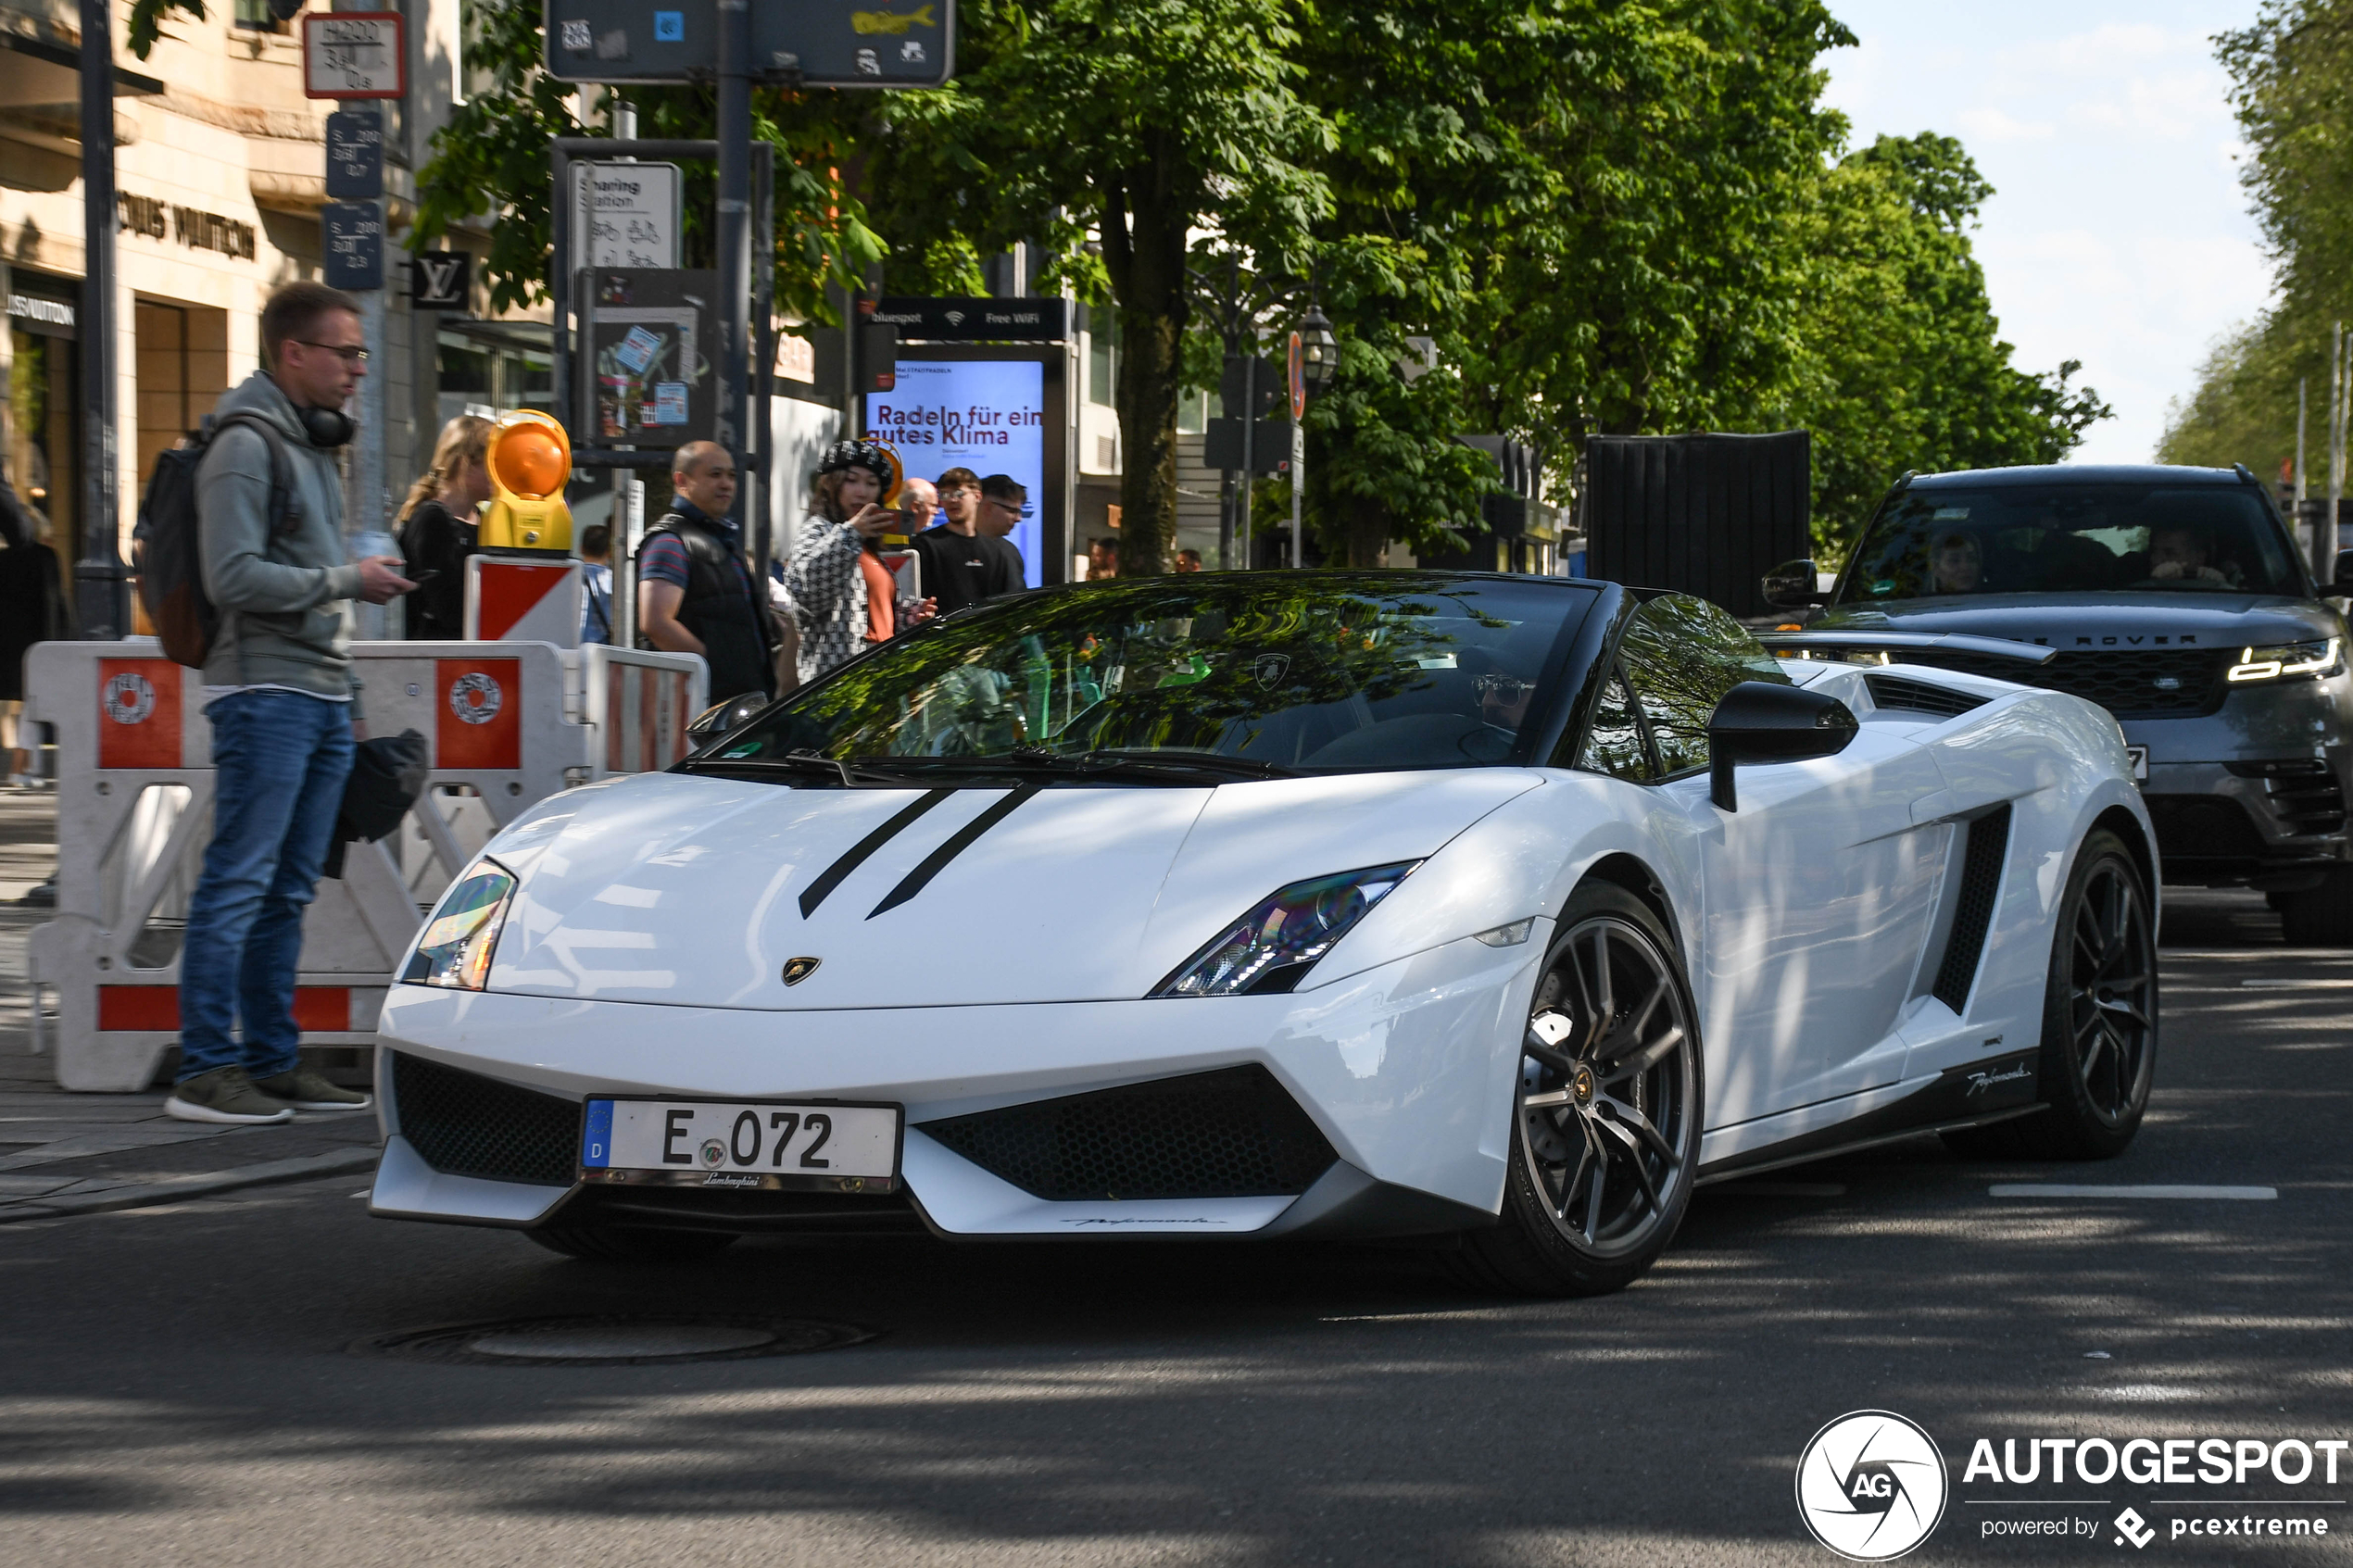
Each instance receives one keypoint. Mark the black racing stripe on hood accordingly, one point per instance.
(965, 836)
(817, 891)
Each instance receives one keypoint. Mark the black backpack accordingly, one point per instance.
(167, 548)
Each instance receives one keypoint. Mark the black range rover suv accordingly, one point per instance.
(2175, 598)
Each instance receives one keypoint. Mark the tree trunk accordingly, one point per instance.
(1144, 228)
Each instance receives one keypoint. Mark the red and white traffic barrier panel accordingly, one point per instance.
(508, 724)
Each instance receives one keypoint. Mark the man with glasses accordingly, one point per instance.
(1004, 501)
(283, 699)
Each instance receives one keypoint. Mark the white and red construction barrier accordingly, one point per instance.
(509, 724)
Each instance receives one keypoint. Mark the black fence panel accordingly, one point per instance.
(1704, 514)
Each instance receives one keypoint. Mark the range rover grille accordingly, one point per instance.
(2128, 682)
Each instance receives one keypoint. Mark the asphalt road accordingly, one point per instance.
(176, 1387)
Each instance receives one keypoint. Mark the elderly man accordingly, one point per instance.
(695, 591)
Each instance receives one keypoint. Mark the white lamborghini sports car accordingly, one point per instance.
(1500, 911)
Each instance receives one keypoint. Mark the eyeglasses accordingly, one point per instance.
(343, 352)
(1019, 509)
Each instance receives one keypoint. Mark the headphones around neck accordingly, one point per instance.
(326, 427)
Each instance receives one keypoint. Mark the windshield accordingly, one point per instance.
(1269, 672)
(2042, 539)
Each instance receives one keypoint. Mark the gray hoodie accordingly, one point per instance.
(283, 600)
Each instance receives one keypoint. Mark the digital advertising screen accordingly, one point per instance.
(986, 415)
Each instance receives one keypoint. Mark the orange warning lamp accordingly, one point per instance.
(529, 458)
(893, 487)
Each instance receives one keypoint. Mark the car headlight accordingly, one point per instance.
(2284, 659)
(1273, 946)
(455, 947)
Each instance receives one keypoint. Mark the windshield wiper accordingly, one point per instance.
(850, 774)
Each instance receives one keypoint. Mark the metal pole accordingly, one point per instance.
(1298, 487)
(98, 574)
(2325, 529)
(1250, 460)
(731, 425)
(559, 269)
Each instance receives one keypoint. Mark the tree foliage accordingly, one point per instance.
(1610, 217)
(1902, 367)
(2287, 70)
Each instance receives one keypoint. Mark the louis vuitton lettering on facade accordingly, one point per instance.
(197, 231)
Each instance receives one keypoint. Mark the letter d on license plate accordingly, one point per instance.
(800, 1146)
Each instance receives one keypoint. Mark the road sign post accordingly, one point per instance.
(350, 53)
(1295, 366)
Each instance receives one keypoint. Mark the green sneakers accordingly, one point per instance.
(225, 1094)
(306, 1089)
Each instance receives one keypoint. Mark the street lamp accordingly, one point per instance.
(1319, 351)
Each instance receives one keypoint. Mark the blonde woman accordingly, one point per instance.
(437, 526)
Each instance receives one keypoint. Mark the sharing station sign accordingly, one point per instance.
(807, 42)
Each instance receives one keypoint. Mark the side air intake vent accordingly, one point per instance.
(1918, 697)
(1229, 1134)
(464, 1124)
(1989, 837)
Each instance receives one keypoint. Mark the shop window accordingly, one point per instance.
(480, 375)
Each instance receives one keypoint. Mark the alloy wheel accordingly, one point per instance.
(2111, 992)
(1607, 1087)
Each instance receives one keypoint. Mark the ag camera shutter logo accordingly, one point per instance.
(1871, 1485)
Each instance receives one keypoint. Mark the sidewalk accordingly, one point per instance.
(69, 1154)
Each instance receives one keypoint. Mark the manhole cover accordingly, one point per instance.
(613, 1341)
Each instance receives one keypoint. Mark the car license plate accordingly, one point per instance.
(2140, 756)
(774, 1144)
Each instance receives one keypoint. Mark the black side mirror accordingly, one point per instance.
(1791, 586)
(2341, 582)
(719, 718)
(1759, 721)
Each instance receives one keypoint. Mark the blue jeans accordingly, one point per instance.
(280, 760)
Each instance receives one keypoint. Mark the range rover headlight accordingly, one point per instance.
(1273, 946)
(2286, 660)
(455, 947)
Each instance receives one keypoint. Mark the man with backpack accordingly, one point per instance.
(283, 702)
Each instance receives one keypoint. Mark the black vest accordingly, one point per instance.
(734, 636)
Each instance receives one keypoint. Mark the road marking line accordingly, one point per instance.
(2068, 1189)
(2331, 984)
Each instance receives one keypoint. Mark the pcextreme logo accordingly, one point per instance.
(1871, 1485)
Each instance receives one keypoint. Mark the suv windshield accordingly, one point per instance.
(2141, 538)
(1274, 672)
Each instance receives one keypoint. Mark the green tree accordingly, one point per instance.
(2287, 69)
(1902, 365)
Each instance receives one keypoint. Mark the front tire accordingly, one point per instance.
(622, 1244)
(2319, 917)
(2099, 1010)
(1605, 1131)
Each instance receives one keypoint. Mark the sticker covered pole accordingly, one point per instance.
(730, 426)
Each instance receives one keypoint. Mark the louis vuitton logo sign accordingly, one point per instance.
(440, 280)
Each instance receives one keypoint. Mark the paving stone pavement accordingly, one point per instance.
(67, 1153)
